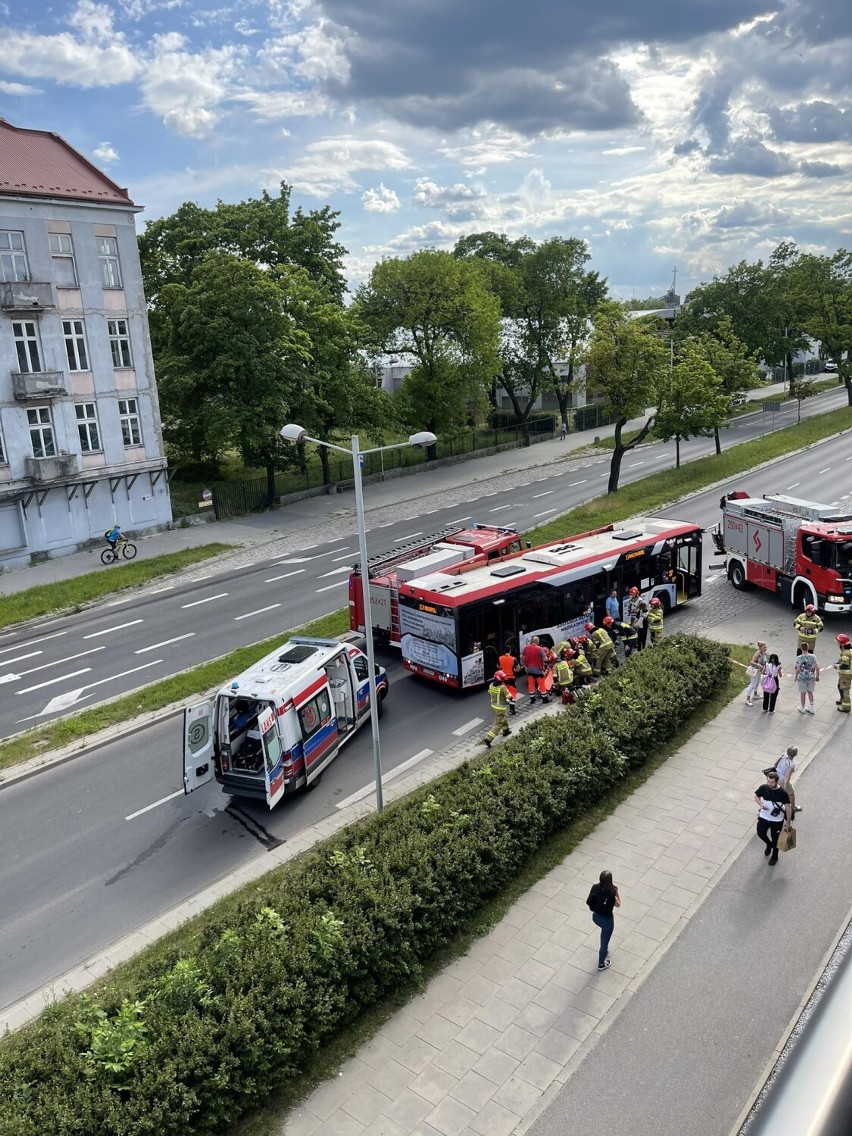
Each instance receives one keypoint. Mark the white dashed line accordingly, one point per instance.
(345, 556)
(546, 493)
(793, 486)
(545, 513)
(259, 611)
(458, 520)
(162, 801)
(109, 630)
(165, 643)
(411, 536)
(334, 572)
(195, 603)
(467, 727)
(285, 576)
(20, 658)
(826, 470)
(50, 682)
(32, 642)
(56, 663)
(571, 484)
(111, 678)
(634, 464)
(328, 587)
(501, 508)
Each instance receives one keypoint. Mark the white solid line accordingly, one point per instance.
(195, 603)
(545, 513)
(259, 611)
(165, 643)
(126, 599)
(305, 547)
(165, 588)
(467, 727)
(571, 484)
(411, 536)
(367, 790)
(101, 681)
(334, 572)
(59, 662)
(20, 658)
(500, 508)
(51, 681)
(545, 494)
(826, 470)
(109, 630)
(793, 486)
(386, 525)
(32, 642)
(328, 587)
(286, 576)
(162, 801)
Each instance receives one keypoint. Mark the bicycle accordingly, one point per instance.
(123, 548)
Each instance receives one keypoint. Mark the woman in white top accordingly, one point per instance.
(758, 662)
(785, 767)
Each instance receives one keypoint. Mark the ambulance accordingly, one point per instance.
(280, 723)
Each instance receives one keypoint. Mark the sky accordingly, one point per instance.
(668, 135)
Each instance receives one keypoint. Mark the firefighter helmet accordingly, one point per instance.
(569, 654)
(655, 602)
(590, 626)
(608, 621)
(500, 676)
(633, 592)
(842, 639)
(810, 609)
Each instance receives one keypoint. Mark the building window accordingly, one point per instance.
(119, 341)
(128, 413)
(108, 254)
(75, 345)
(13, 257)
(87, 426)
(41, 432)
(62, 251)
(27, 344)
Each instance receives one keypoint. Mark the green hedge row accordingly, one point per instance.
(204, 1025)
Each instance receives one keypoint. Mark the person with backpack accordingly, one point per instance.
(602, 900)
(769, 683)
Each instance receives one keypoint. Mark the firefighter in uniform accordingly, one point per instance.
(605, 658)
(499, 695)
(563, 676)
(626, 632)
(510, 666)
(844, 674)
(580, 666)
(808, 625)
(637, 612)
(655, 621)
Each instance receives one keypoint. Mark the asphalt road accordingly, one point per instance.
(99, 846)
(125, 643)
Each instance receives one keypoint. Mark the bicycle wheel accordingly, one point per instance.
(129, 551)
(108, 556)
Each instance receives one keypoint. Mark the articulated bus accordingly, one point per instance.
(453, 628)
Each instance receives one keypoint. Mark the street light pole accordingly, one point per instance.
(293, 433)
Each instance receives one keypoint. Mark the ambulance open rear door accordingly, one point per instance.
(273, 757)
(198, 766)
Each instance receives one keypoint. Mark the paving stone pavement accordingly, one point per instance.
(494, 1036)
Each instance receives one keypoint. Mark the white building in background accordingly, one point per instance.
(80, 439)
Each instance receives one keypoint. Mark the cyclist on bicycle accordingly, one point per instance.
(114, 536)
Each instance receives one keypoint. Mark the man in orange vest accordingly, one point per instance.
(510, 667)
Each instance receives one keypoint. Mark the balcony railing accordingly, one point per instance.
(38, 384)
(44, 470)
(26, 296)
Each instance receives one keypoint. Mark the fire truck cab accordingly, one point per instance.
(801, 550)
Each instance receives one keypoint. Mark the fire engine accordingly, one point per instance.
(452, 550)
(800, 550)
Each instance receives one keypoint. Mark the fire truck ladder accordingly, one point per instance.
(386, 561)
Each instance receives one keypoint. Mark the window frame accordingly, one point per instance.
(43, 428)
(128, 421)
(119, 345)
(64, 255)
(13, 255)
(76, 348)
(3, 458)
(88, 428)
(28, 347)
(109, 260)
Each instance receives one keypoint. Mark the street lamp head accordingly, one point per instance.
(422, 440)
(293, 433)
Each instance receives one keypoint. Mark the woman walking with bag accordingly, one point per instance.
(769, 683)
(755, 671)
(603, 898)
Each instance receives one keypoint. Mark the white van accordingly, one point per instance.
(279, 724)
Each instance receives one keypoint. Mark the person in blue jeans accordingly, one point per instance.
(603, 899)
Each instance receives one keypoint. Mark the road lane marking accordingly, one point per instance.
(334, 572)
(345, 556)
(467, 727)
(209, 599)
(109, 630)
(571, 484)
(328, 587)
(634, 464)
(822, 471)
(46, 666)
(411, 536)
(165, 643)
(259, 611)
(500, 508)
(318, 556)
(162, 801)
(20, 658)
(546, 493)
(458, 520)
(50, 682)
(121, 674)
(793, 486)
(286, 576)
(545, 513)
(368, 790)
(32, 642)
(125, 599)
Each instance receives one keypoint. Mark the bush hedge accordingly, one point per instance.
(206, 1023)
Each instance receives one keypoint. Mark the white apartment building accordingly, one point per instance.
(81, 445)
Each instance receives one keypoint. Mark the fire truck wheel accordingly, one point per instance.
(737, 577)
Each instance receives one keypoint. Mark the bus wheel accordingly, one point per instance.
(737, 577)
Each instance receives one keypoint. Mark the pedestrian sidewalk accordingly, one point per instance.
(325, 517)
(494, 1038)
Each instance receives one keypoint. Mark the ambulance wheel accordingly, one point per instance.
(381, 708)
(737, 577)
(311, 785)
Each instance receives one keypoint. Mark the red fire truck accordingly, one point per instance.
(800, 550)
(452, 550)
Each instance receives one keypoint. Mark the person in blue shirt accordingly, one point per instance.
(113, 536)
(613, 608)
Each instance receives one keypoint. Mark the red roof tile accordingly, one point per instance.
(37, 163)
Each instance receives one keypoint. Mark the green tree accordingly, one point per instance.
(731, 362)
(694, 403)
(230, 366)
(801, 388)
(626, 361)
(439, 311)
(823, 285)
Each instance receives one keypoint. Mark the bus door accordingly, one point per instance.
(273, 761)
(198, 766)
(688, 570)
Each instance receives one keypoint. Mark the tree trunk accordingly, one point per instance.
(324, 465)
(718, 440)
(270, 482)
(848, 383)
(677, 451)
(620, 450)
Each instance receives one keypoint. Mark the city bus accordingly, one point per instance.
(453, 628)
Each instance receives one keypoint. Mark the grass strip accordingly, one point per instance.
(85, 723)
(70, 595)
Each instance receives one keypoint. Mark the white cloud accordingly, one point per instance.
(105, 153)
(329, 164)
(381, 200)
(187, 89)
(18, 89)
(486, 146)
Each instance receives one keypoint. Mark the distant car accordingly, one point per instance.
(830, 367)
